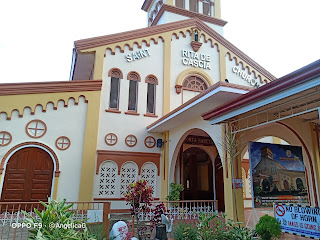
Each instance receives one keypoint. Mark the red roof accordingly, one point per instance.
(295, 78)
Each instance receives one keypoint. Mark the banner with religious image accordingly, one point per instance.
(277, 173)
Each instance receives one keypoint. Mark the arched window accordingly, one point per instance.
(193, 5)
(107, 179)
(115, 75)
(133, 78)
(128, 174)
(151, 93)
(194, 83)
(180, 3)
(148, 173)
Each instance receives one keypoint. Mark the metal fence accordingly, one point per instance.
(12, 216)
(182, 210)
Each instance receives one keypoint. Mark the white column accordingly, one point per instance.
(174, 2)
(212, 10)
(186, 4)
(200, 7)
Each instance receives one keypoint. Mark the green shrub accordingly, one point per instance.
(268, 228)
(56, 222)
(175, 190)
(183, 231)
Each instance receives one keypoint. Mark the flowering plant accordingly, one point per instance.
(124, 232)
(139, 197)
(157, 212)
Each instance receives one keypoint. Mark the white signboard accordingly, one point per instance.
(95, 216)
(298, 220)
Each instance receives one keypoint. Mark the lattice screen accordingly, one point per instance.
(107, 179)
(128, 174)
(148, 173)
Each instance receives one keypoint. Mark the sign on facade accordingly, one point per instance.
(277, 173)
(199, 140)
(138, 55)
(245, 76)
(195, 59)
(298, 219)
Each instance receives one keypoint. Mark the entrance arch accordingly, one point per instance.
(197, 155)
(28, 176)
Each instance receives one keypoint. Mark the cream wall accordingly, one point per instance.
(177, 66)
(123, 124)
(67, 121)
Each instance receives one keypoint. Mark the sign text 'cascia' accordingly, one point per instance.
(138, 55)
(195, 59)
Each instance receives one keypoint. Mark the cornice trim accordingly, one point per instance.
(49, 87)
(153, 30)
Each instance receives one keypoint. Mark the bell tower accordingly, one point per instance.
(166, 11)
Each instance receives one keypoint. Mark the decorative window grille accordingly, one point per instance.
(128, 174)
(194, 83)
(107, 179)
(148, 173)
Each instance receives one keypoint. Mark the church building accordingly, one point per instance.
(149, 104)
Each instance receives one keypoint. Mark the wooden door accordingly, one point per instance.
(28, 176)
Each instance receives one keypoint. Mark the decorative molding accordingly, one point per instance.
(152, 79)
(194, 22)
(5, 136)
(60, 145)
(43, 106)
(150, 115)
(178, 88)
(55, 158)
(131, 140)
(149, 142)
(135, 76)
(115, 72)
(121, 157)
(49, 87)
(196, 45)
(113, 110)
(35, 128)
(111, 139)
(132, 113)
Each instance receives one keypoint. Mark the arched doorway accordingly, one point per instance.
(198, 167)
(28, 176)
(198, 174)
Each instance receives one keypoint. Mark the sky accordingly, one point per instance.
(37, 36)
